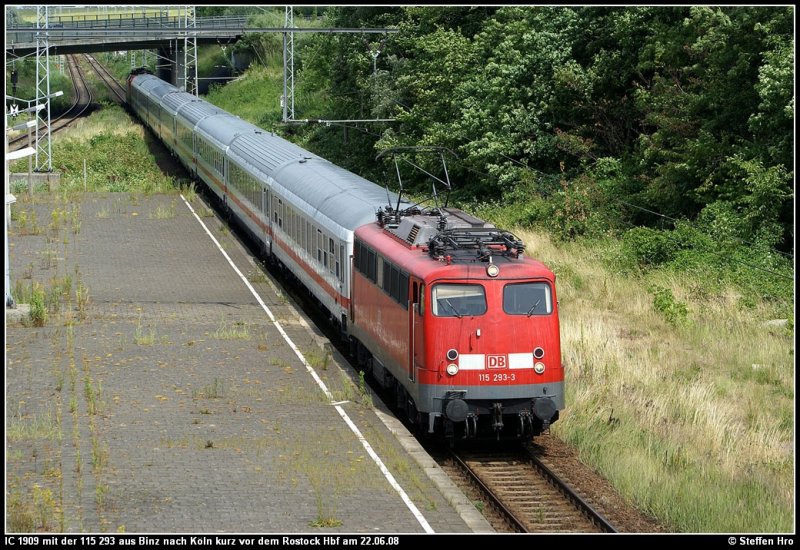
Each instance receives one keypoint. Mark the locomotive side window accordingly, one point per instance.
(456, 300)
(403, 296)
(372, 262)
(527, 299)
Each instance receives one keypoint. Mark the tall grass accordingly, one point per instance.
(118, 153)
(692, 421)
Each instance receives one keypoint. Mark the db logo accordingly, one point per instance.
(497, 361)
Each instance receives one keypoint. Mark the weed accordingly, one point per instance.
(92, 395)
(238, 331)
(313, 358)
(75, 219)
(103, 213)
(52, 299)
(163, 212)
(143, 338)
(189, 192)
(48, 258)
(59, 380)
(215, 390)
(323, 522)
(19, 514)
(40, 426)
(99, 455)
(22, 292)
(479, 504)
(44, 505)
(363, 390)
(256, 276)
(38, 312)
(81, 298)
(100, 492)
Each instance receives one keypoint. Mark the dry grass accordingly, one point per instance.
(692, 421)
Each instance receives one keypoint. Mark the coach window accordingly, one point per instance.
(332, 254)
(422, 299)
(339, 262)
(319, 246)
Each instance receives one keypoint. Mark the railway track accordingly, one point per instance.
(117, 89)
(527, 495)
(83, 100)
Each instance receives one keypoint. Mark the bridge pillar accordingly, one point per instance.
(170, 66)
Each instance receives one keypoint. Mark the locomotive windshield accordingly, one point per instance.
(455, 300)
(527, 299)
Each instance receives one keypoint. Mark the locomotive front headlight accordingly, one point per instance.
(538, 352)
(452, 355)
(539, 367)
(452, 369)
(492, 270)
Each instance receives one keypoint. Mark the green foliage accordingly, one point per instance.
(649, 247)
(673, 310)
(669, 127)
(26, 84)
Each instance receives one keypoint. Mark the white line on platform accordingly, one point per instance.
(386, 473)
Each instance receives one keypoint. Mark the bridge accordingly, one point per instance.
(164, 33)
(67, 35)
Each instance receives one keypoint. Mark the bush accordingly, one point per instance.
(674, 311)
(649, 247)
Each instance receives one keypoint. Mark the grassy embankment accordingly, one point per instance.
(120, 156)
(690, 419)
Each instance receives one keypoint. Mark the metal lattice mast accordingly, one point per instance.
(43, 159)
(288, 66)
(190, 52)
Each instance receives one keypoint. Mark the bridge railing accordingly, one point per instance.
(25, 33)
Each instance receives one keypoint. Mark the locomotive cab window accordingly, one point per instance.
(457, 300)
(527, 299)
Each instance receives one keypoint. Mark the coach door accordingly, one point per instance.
(265, 217)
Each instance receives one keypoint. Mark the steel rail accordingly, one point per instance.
(107, 78)
(64, 119)
(512, 520)
(587, 509)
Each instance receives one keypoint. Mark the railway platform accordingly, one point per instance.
(175, 389)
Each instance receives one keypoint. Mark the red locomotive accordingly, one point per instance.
(447, 310)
